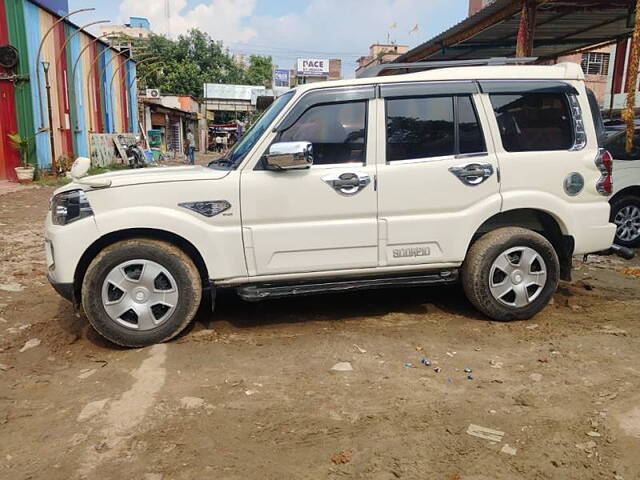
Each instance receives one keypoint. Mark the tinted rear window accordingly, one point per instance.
(533, 121)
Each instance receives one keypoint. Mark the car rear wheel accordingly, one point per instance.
(511, 273)
(625, 213)
(141, 292)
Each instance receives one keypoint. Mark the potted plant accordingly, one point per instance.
(21, 144)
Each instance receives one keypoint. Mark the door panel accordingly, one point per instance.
(301, 221)
(430, 207)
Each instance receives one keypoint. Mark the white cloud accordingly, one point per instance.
(336, 28)
(222, 19)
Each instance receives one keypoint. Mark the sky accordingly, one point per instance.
(289, 29)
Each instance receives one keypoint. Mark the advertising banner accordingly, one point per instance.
(281, 78)
(313, 66)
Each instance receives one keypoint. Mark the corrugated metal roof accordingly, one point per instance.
(562, 26)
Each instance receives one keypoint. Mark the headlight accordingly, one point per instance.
(70, 206)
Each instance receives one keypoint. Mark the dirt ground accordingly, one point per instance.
(248, 392)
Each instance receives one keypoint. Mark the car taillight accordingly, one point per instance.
(604, 162)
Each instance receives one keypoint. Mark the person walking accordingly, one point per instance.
(218, 143)
(191, 147)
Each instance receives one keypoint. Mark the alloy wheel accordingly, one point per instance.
(627, 221)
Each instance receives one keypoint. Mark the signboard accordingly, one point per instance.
(313, 66)
(281, 78)
(229, 92)
(61, 7)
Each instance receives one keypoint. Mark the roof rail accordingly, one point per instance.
(398, 68)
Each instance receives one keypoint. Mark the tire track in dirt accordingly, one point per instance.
(126, 413)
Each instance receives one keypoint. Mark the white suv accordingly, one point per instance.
(625, 203)
(493, 173)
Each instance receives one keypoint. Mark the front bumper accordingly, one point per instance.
(65, 290)
(64, 247)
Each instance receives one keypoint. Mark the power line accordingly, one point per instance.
(292, 50)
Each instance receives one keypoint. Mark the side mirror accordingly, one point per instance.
(289, 156)
(80, 168)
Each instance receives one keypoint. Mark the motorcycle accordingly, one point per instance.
(134, 153)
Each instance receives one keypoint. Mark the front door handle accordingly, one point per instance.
(473, 174)
(348, 183)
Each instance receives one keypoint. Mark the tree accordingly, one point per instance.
(260, 70)
(183, 65)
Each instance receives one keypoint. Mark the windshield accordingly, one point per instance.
(251, 136)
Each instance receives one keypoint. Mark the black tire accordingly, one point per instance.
(618, 204)
(174, 260)
(477, 269)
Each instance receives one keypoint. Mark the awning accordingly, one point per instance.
(561, 27)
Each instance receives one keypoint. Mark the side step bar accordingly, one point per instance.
(255, 293)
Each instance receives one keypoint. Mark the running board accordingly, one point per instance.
(254, 293)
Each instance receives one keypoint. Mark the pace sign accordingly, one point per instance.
(313, 66)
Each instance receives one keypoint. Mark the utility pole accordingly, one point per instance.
(54, 166)
(167, 14)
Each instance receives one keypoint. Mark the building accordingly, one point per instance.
(61, 7)
(92, 86)
(228, 102)
(167, 118)
(618, 79)
(595, 65)
(594, 62)
(311, 70)
(477, 5)
(380, 53)
(138, 27)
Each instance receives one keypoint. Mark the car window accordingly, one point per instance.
(533, 121)
(616, 145)
(239, 151)
(425, 127)
(596, 114)
(420, 128)
(469, 131)
(337, 132)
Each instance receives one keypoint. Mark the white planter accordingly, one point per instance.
(25, 174)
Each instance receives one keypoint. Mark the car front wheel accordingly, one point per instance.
(511, 273)
(140, 292)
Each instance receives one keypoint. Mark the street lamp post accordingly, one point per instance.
(54, 167)
(73, 77)
(117, 70)
(44, 37)
(93, 65)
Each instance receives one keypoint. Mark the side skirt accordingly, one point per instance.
(257, 292)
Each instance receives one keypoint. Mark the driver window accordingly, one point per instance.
(337, 132)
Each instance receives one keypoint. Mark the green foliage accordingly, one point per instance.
(182, 66)
(259, 71)
(22, 145)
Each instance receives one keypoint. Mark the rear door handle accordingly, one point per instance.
(472, 174)
(348, 183)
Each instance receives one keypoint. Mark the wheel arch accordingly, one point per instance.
(156, 234)
(633, 190)
(540, 221)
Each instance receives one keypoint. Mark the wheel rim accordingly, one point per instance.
(628, 222)
(517, 276)
(139, 294)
